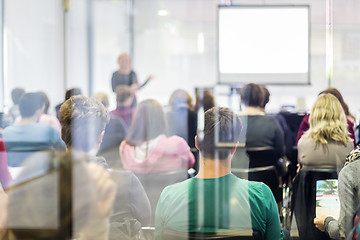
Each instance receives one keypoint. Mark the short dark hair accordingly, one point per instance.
(30, 103)
(252, 95)
(222, 126)
(16, 95)
(47, 102)
(72, 92)
(82, 120)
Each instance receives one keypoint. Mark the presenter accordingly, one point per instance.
(125, 76)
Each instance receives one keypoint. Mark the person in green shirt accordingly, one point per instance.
(216, 200)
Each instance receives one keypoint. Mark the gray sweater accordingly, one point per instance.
(349, 194)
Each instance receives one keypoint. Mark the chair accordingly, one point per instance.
(169, 234)
(304, 200)
(154, 183)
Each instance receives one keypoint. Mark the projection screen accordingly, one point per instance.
(267, 44)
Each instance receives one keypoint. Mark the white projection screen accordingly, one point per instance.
(266, 44)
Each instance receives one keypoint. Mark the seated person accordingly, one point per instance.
(148, 149)
(327, 142)
(28, 135)
(216, 200)
(349, 194)
(181, 117)
(83, 122)
(260, 130)
(350, 119)
(124, 108)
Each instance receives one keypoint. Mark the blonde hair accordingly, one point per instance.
(328, 121)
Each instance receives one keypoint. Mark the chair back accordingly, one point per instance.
(304, 200)
(169, 234)
(155, 182)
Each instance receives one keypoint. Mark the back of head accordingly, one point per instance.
(148, 123)
(221, 133)
(72, 92)
(103, 98)
(252, 95)
(82, 121)
(328, 121)
(337, 94)
(123, 93)
(16, 95)
(30, 103)
(266, 95)
(180, 98)
(47, 101)
(206, 99)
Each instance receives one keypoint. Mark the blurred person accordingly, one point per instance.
(83, 122)
(216, 200)
(103, 98)
(70, 92)
(181, 117)
(349, 194)
(16, 95)
(45, 118)
(204, 98)
(124, 108)
(147, 148)
(28, 134)
(5, 176)
(115, 133)
(327, 142)
(304, 126)
(260, 130)
(126, 76)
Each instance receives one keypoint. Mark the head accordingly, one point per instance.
(47, 102)
(148, 123)
(221, 126)
(266, 95)
(16, 95)
(124, 61)
(83, 122)
(31, 105)
(328, 121)
(124, 95)
(337, 94)
(252, 95)
(206, 99)
(180, 98)
(72, 92)
(103, 98)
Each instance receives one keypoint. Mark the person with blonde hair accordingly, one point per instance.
(147, 148)
(327, 142)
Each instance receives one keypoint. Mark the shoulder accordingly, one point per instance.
(177, 189)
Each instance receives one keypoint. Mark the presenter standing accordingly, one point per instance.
(125, 76)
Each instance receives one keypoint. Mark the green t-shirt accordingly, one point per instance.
(218, 204)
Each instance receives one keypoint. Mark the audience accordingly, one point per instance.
(28, 134)
(304, 126)
(215, 200)
(147, 148)
(124, 108)
(327, 142)
(181, 117)
(349, 194)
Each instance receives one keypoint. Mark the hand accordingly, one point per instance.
(149, 78)
(105, 189)
(320, 223)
